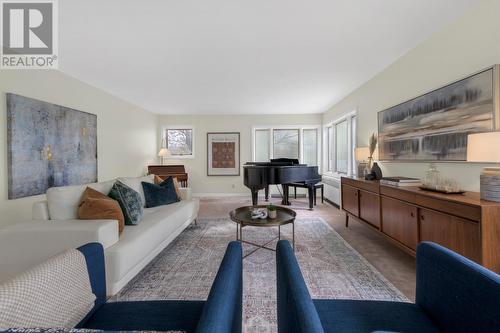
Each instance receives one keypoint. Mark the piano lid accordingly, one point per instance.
(289, 161)
(277, 162)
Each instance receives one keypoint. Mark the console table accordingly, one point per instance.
(408, 215)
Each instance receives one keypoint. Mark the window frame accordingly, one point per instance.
(301, 129)
(178, 127)
(330, 144)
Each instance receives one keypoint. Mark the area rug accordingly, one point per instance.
(331, 267)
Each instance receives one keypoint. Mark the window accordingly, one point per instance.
(329, 148)
(262, 144)
(300, 142)
(179, 142)
(339, 145)
(310, 146)
(286, 143)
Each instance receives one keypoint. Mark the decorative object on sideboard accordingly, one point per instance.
(400, 181)
(434, 181)
(432, 176)
(48, 145)
(362, 154)
(162, 154)
(485, 148)
(372, 147)
(223, 154)
(376, 171)
(435, 126)
(271, 211)
(373, 170)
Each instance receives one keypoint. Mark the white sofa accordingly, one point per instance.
(56, 226)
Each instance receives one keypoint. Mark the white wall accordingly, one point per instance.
(468, 45)
(197, 167)
(127, 135)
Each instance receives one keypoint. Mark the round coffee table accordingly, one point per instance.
(242, 217)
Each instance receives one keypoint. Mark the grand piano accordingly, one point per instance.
(259, 175)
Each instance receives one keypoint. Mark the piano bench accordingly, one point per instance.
(316, 187)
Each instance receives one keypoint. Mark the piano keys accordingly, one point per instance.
(259, 175)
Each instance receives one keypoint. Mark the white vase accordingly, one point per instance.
(271, 214)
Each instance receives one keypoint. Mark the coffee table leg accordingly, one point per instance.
(279, 232)
(293, 236)
(237, 232)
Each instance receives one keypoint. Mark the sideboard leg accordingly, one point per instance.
(346, 220)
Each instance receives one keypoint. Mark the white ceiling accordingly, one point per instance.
(241, 56)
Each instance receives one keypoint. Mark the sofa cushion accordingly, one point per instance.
(158, 225)
(135, 183)
(55, 293)
(147, 315)
(161, 194)
(130, 202)
(97, 206)
(63, 201)
(355, 316)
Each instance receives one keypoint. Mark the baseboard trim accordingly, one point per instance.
(332, 203)
(211, 195)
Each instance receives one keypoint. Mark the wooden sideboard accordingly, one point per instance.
(407, 215)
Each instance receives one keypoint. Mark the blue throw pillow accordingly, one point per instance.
(130, 202)
(162, 194)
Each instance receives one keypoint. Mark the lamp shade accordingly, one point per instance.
(163, 152)
(362, 153)
(483, 147)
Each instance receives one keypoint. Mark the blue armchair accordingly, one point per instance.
(453, 294)
(222, 312)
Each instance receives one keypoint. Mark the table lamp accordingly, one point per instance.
(162, 154)
(485, 148)
(362, 155)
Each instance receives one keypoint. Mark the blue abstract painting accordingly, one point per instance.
(48, 145)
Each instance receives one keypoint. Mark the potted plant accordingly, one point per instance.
(271, 211)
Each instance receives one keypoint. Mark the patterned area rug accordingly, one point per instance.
(331, 267)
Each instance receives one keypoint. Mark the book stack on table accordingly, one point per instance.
(400, 181)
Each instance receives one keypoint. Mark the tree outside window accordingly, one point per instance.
(179, 142)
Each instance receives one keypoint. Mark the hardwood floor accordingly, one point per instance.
(396, 265)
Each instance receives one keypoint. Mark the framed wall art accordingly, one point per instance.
(223, 154)
(48, 145)
(435, 126)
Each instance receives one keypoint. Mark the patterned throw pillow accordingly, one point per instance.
(130, 202)
(162, 194)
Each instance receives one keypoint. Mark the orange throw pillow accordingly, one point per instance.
(177, 189)
(96, 206)
(158, 180)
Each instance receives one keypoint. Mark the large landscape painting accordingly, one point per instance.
(435, 126)
(48, 145)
